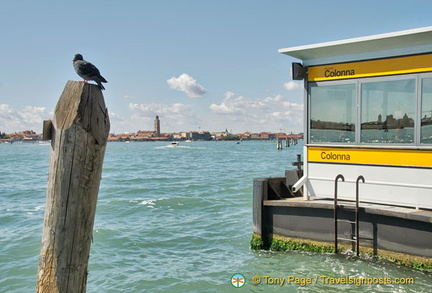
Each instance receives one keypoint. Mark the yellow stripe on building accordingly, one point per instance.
(391, 66)
(392, 157)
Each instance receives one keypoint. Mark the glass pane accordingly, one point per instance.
(332, 113)
(426, 121)
(388, 111)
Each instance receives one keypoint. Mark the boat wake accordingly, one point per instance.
(180, 147)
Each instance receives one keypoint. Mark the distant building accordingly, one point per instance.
(246, 135)
(194, 135)
(143, 135)
(25, 136)
(263, 136)
(157, 126)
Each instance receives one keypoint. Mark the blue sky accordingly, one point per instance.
(198, 64)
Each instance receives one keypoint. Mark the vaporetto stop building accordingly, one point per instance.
(367, 141)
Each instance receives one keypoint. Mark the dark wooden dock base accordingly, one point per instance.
(382, 228)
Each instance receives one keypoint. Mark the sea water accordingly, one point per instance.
(175, 219)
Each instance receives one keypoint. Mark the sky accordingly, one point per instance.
(200, 65)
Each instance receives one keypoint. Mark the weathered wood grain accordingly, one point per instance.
(79, 136)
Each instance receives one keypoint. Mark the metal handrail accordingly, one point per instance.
(356, 222)
(357, 214)
(340, 176)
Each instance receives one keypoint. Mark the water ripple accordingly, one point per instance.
(169, 220)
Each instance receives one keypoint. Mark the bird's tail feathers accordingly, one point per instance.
(100, 85)
(102, 79)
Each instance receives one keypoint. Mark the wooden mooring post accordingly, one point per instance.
(79, 134)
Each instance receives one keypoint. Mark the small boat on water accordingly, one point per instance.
(173, 144)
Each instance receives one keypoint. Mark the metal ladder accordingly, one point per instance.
(356, 237)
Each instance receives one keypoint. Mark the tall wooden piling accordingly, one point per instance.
(79, 134)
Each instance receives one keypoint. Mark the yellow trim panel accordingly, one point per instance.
(390, 66)
(389, 157)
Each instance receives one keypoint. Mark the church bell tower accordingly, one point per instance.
(157, 126)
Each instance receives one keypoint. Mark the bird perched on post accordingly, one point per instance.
(87, 70)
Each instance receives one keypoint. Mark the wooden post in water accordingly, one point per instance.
(79, 134)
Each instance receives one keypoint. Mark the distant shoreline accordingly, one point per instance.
(29, 136)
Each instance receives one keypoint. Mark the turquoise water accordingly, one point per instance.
(172, 220)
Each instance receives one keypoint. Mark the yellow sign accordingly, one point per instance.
(392, 157)
(390, 66)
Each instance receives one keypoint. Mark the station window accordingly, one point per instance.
(332, 113)
(388, 111)
(426, 111)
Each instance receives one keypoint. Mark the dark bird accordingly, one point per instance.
(87, 70)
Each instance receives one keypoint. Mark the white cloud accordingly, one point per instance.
(34, 115)
(27, 118)
(228, 105)
(269, 113)
(292, 86)
(187, 84)
(239, 105)
(276, 99)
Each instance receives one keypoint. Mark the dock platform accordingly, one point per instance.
(381, 227)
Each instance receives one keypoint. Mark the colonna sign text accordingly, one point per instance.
(370, 156)
(370, 68)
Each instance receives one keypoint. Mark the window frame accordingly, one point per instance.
(381, 80)
(329, 84)
(420, 108)
(358, 82)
